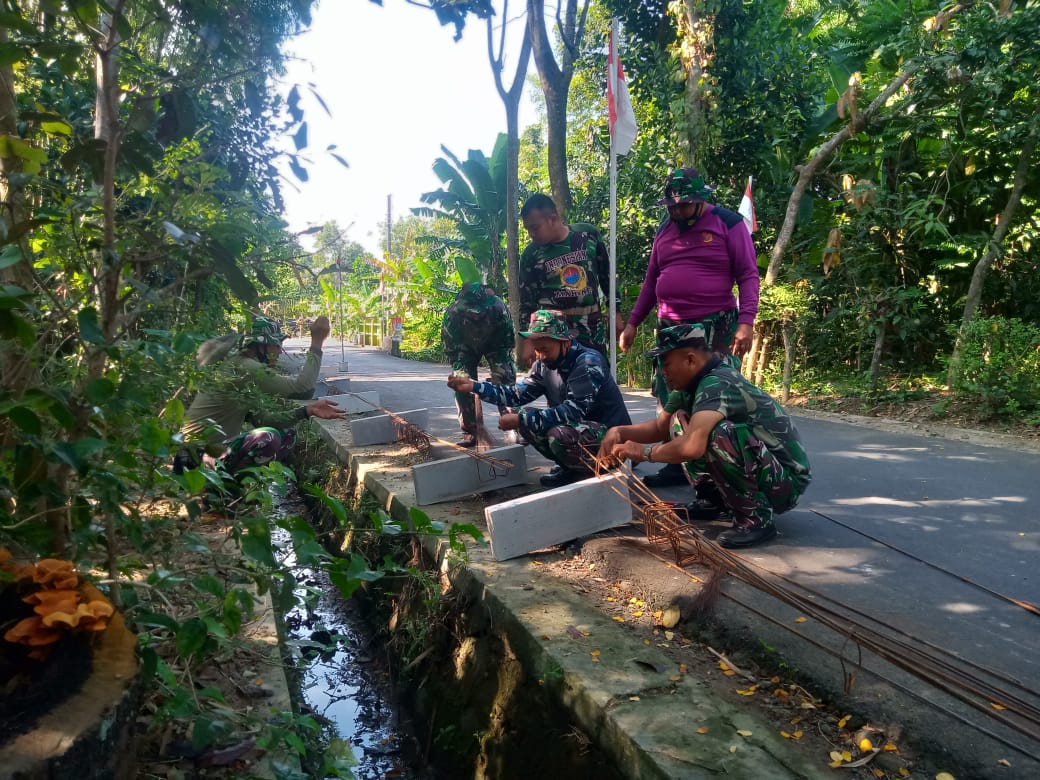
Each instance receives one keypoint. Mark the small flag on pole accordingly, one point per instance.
(747, 209)
(622, 118)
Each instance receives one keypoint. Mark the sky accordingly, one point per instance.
(398, 87)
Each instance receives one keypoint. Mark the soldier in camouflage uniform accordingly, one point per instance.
(716, 423)
(583, 399)
(563, 269)
(244, 387)
(477, 326)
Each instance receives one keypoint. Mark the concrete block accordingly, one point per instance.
(381, 430)
(356, 403)
(332, 385)
(340, 368)
(551, 517)
(463, 475)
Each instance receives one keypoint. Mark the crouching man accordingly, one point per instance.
(717, 424)
(583, 399)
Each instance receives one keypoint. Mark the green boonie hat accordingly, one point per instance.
(685, 185)
(693, 335)
(548, 323)
(264, 331)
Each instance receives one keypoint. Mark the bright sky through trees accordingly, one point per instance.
(398, 87)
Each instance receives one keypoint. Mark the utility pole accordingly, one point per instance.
(382, 286)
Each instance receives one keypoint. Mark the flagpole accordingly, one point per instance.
(612, 296)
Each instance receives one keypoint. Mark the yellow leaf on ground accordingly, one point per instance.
(723, 665)
(878, 772)
(746, 691)
(944, 776)
(843, 721)
(538, 563)
(610, 598)
(675, 677)
(729, 673)
(774, 680)
(835, 764)
(702, 730)
(669, 635)
(890, 748)
(836, 756)
(596, 653)
(846, 756)
(800, 619)
(682, 668)
(744, 732)
(781, 694)
(638, 613)
(1003, 762)
(545, 637)
(657, 615)
(904, 772)
(619, 619)
(798, 734)
(865, 745)
(646, 642)
(996, 706)
(732, 748)
(633, 698)
(785, 735)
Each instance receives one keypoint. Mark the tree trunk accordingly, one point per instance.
(788, 333)
(697, 32)
(556, 83)
(807, 171)
(875, 358)
(763, 358)
(511, 100)
(993, 250)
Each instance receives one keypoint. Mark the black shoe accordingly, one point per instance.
(468, 441)
(559, 476)
(704, 510)
(746, 537)
(671, 474)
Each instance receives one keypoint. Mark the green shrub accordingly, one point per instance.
(1000, 365)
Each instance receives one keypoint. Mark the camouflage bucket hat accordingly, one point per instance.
(677, 336)
(264, 331)
(547, 323)
(685, 185)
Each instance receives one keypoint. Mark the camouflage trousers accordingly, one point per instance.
(721, 327)
(258, 447)
(589, 330)
(503, 372)
(573, 446)
(752, 483)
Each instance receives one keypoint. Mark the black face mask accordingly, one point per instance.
(554, 363)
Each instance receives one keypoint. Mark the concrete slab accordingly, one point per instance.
(332, 385)
(443, 480)
(540, 520)
(356, 403)
(381, 429)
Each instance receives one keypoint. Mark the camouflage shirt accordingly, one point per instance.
(580, 389)
(720, 388)
(477, 322)
(566, 275)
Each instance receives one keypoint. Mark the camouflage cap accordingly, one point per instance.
(546, 322)
(685, 185)
(693, 335)
(264, 331)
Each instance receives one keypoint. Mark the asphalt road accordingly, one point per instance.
(933, 541)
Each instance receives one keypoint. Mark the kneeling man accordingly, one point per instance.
(583, 399)
(718, 425)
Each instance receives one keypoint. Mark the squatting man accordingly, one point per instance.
(716, 423)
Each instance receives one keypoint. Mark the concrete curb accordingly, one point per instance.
(639, 716)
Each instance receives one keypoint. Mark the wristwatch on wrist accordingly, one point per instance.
(648, 451)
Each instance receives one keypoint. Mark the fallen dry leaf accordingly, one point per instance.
(843, 721)
(800, 619)
(702, 730)
(743, 732)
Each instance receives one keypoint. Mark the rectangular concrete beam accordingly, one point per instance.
(540, 520)
(355, 403)
(332, 385)
(443, 480)
(381, 429)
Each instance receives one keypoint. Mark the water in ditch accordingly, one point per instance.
(343, 679)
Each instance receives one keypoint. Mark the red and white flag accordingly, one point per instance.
(622, 118)
(747, 209)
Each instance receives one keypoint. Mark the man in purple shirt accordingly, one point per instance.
(699, 254)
